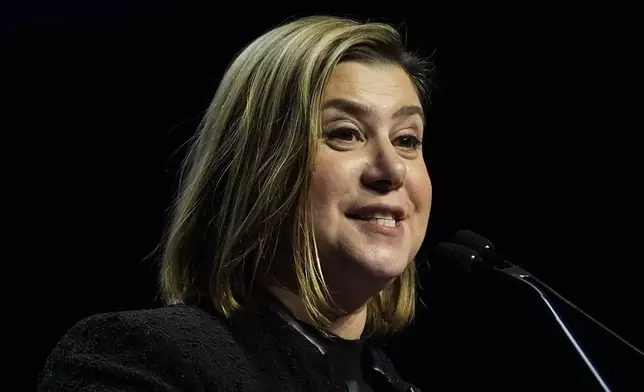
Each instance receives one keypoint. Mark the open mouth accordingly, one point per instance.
(379, 221)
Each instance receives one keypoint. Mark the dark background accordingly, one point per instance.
(534, 142)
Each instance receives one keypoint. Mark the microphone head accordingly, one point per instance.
(473, 240)
(455, 272)
(479, 244)
(447, 256)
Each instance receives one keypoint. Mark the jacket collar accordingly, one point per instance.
(378, 367)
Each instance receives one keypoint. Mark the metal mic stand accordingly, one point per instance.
(527, 278)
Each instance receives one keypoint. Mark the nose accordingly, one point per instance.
(385, 170)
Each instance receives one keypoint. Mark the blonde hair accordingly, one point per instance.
(245, 180)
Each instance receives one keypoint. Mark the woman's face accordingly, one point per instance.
(368, 166)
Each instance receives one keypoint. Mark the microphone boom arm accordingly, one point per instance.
(484, 254)
(523, 276)
(518, 272)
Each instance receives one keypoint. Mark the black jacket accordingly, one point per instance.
(190, 348)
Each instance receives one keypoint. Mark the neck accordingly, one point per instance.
(348, 327)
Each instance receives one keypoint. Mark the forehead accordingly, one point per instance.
(379, 85)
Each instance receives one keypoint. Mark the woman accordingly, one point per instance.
(304, 202)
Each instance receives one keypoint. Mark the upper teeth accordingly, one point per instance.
(380, 216)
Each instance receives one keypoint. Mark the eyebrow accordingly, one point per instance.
(360, 110)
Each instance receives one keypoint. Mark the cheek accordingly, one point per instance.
(429, 194)
(421, 193)
(327, 186)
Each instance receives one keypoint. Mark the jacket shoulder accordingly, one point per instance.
(181, 326)
(166, 349)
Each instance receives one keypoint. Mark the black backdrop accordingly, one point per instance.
(534, 144)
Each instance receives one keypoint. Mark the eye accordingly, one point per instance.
(344, 134)
(410, 142)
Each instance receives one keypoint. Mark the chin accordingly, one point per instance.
(385, 270)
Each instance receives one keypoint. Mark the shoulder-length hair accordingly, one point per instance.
(245, 180)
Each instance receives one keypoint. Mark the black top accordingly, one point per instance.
(192, 348)
(346, 358)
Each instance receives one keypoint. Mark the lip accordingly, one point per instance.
(372, 209)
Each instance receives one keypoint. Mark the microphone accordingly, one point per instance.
(451, 257)
(491, 259)
(453, 271)
(486, 250)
